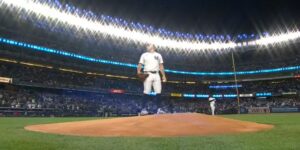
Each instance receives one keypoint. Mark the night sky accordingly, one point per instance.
(202, 16)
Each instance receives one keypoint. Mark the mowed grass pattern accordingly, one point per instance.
(285, 136)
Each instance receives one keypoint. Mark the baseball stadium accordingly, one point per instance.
(149, 75)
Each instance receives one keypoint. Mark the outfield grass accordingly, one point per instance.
(285, 136)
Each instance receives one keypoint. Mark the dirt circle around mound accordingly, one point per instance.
(163, 125)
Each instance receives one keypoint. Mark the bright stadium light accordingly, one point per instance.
(162, 39)
(275, 39)
(96, 26)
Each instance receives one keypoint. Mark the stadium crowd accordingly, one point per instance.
(59, 79)
(42, 91)
(49, 102)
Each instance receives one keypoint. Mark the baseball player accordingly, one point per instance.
(212, 102)
(153, 64)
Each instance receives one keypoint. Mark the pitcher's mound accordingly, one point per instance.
(187, 124)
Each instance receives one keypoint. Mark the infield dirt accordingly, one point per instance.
(163, 125)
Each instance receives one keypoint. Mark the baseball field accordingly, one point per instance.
(284, 136)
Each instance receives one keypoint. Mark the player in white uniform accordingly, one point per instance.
(153, 64)
(212, 102)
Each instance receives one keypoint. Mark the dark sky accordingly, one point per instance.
(202, 16)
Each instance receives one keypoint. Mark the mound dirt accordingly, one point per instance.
(163, 125)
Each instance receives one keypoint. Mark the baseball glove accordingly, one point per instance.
(142, 76)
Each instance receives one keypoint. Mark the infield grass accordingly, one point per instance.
(284, 136)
